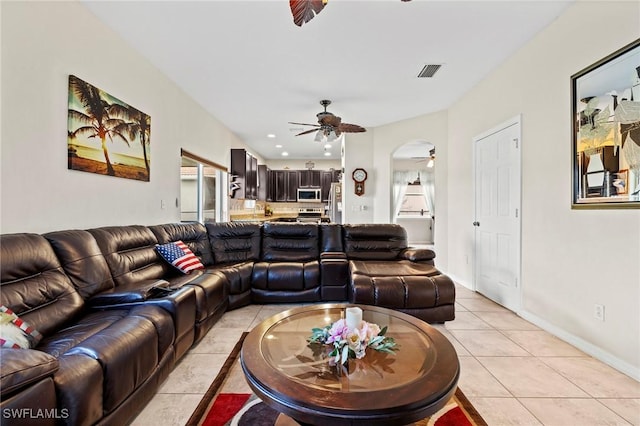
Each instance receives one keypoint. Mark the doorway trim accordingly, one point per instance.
(517, 121)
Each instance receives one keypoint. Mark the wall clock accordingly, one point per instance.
(359, 175)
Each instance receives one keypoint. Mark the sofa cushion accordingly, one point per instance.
(330, 237)
(193, 234)
(374, 241)
(386, 268)
(178, 255)
(286, 276)
(130, 253)
(238, 281)
(82, 261)
(34, 285)
(290, 242)
(21, 368)
(233, 242)
(119, 350)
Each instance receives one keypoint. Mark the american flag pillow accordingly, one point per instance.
(180, 256)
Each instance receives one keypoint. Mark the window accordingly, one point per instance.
(202, 189)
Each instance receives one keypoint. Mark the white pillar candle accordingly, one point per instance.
(353, 317)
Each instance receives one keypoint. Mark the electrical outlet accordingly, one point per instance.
(163, 205)
(598, 312)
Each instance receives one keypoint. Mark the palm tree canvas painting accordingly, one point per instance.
(105, 135)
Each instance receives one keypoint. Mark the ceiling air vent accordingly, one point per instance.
(429, 70)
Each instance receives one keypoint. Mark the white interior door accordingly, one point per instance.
(497, 214)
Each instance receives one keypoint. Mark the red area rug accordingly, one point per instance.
(218, 408)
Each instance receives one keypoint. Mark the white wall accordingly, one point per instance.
(386, 139)
(44, 42)
(571, 259)
(358, 153)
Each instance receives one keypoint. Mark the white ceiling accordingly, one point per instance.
(253, 69)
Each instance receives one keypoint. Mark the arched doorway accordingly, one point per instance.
(413, 192)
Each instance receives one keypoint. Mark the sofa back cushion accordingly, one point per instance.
(193, 234)
(130, 253)
(374, 241)
(331, 238)
(234, 242)
(34, 285)
(290, 242)
(82, 261)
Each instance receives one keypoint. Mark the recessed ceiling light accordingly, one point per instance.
(284, 153)
(327, 154)
(328, 145)
(271, 136)
(278, 146)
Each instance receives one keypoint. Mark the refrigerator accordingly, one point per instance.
(335, 202)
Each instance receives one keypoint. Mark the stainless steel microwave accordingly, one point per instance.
(309, 195)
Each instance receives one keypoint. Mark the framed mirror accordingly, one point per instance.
(605, 114)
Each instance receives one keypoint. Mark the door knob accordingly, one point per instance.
(476, 223)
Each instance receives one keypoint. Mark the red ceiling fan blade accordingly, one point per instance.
(304, 10)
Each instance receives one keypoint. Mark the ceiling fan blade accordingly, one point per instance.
(351, 128)
(307, 132)
(304, 10)
(304, 124)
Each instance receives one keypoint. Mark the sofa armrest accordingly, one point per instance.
(332, 255)
(23, 367)
(131, 293)
(417, 255)
(334, 276)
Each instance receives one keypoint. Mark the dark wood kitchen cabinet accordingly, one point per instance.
(244, 175)
(265, 193)
(285, 184)
(309, 178)
(292, 177)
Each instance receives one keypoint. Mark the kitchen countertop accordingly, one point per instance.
(285, 217)
(261, 217)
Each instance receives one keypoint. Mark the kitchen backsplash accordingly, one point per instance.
(243, 207)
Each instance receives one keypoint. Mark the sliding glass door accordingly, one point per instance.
(203, 195)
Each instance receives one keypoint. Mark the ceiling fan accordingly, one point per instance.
(430, 160)
(329, 126)
(304, 10)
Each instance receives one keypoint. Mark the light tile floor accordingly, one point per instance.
(513, 372)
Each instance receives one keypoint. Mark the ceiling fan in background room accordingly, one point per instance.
(304, 10)
(430, 160)
(329, 126)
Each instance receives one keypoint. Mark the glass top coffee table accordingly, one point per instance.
(297, 379)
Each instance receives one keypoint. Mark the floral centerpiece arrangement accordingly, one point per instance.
(351, 337)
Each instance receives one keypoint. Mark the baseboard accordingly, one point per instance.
(586, 347)
(459, 281)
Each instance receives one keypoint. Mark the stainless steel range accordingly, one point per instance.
(309, 215)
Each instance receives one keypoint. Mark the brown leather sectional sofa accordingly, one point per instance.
(116, 317)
